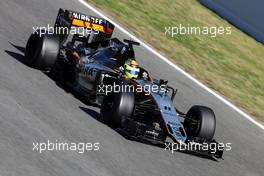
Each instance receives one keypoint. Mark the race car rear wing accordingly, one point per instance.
(102, 29)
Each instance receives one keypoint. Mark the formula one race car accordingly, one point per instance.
(105, 71)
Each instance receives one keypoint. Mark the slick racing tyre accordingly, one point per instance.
(200, 122)
(116, 106)
(42, 51)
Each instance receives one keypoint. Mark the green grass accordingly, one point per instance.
(230, 64)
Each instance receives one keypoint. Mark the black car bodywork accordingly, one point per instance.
(89, 62)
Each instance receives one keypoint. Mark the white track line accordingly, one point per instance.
(174, 66)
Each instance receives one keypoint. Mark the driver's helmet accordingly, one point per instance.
(131, 69)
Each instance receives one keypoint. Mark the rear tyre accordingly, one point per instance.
(116, 106)
(42, 51)
(200, 122)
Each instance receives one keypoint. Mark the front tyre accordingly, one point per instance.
(116, 106)
(200, 122)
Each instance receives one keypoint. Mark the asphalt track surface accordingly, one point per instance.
(33, 108)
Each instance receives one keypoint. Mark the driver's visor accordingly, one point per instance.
(133, 72)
